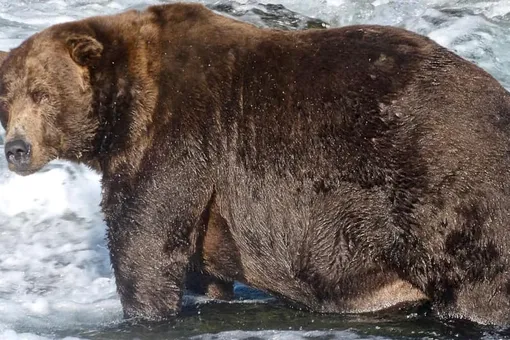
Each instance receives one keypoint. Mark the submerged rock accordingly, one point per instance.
(268, 15)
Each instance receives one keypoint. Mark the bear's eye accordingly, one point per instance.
(39, 96)
(4, 114)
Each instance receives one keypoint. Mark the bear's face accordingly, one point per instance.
(46, 100)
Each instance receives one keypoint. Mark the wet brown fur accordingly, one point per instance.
(343, 170)
(3, 55)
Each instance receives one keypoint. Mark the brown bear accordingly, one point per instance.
(343, 170)
(3, 55)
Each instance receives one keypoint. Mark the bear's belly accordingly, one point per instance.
(302, 250)
(392, 294)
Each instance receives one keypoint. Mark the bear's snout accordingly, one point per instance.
(18, 154)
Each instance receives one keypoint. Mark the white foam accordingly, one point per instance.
(279, 335)
(54, 265)
(12, 335)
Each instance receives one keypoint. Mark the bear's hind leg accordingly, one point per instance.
(205, 284)
(216, 264)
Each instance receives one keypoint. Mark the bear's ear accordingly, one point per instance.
(84, 49)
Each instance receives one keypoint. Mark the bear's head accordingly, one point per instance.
(46, 98)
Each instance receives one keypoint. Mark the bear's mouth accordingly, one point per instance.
(22, 158)
(24, 171)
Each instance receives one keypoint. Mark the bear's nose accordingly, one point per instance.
(17, 152)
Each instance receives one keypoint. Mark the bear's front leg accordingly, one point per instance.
(150, 240)
(149, 267)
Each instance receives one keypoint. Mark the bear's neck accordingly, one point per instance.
(125, 97)
(146, 86)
